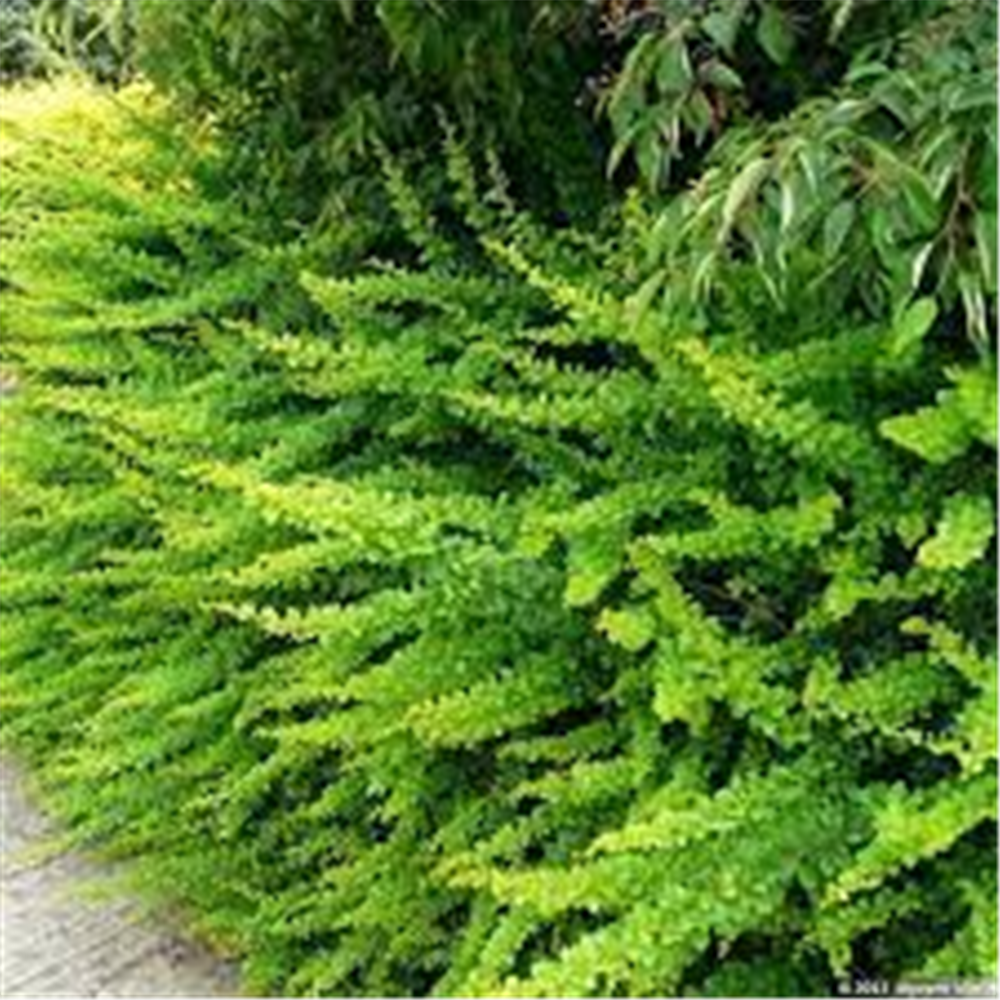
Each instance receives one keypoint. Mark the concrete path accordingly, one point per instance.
(56, 942)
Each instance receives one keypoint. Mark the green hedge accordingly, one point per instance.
(479, 625)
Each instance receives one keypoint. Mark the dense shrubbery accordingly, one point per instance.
(520, 611)
(41, 38)
(17, 56)
(312, 93)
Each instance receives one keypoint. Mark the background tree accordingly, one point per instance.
(46, 37)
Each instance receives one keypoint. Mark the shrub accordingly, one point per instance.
(573, 97)
(306, 94)
(471, 626)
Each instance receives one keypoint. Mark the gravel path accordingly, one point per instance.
(55, 942)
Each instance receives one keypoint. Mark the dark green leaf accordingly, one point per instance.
(974, 303)
(775, 34)
(673, 70)
(836, 227)
(723, 24)
(986, 247)
(698, 115)
(718, 74)
(912, 326)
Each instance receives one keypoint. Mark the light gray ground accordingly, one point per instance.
(54, 941)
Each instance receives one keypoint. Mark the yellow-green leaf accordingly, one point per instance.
(962, 535)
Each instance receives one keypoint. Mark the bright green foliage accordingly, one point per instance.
(476, 628)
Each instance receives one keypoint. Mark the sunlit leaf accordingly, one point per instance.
(912, 326)
(936, 435)
(742, 191)
(965, 530)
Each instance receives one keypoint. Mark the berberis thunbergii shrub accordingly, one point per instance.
(528, 612)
